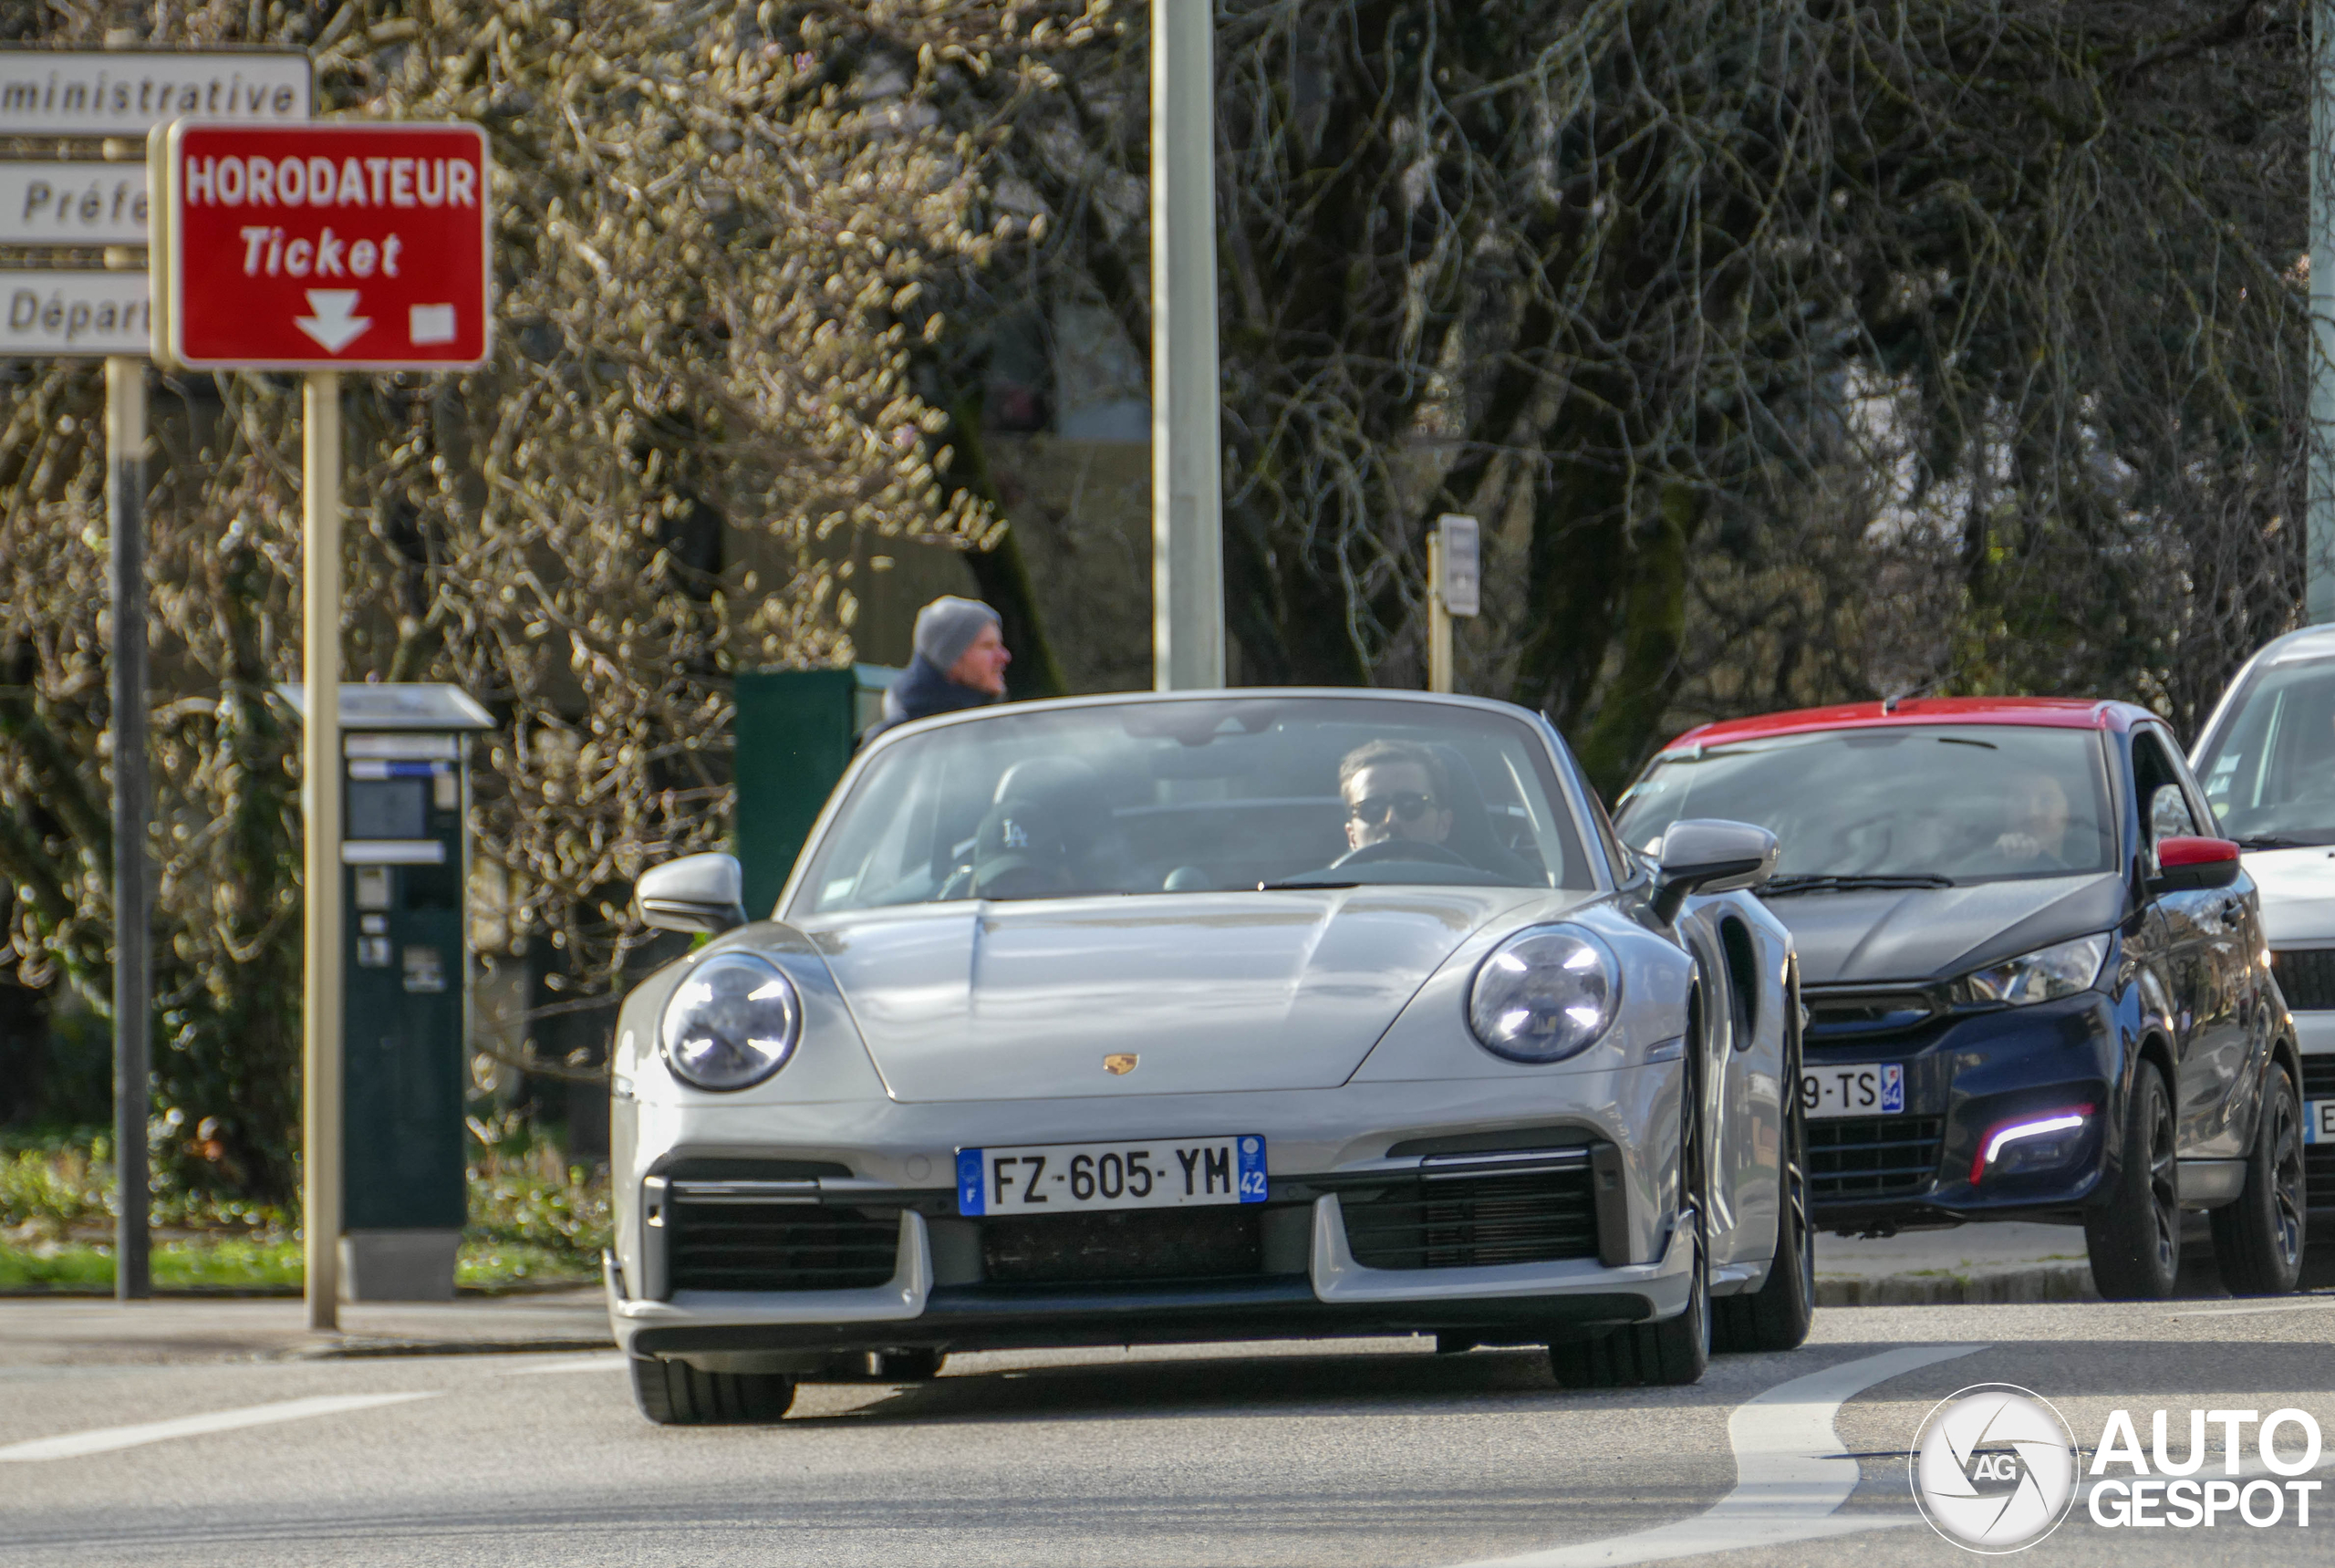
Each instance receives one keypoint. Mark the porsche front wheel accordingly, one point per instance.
(675, 1393)
(1673, 1352)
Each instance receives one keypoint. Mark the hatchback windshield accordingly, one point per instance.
(1198, 797)
(1964, 804)
(2270, 767)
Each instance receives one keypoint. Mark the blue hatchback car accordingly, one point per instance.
(2036, 981)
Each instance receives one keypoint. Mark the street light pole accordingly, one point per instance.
(2318, 537)
(1186, 475)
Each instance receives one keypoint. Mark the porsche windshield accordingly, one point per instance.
(1198, 797)
(2269, 768)
(1954, 803)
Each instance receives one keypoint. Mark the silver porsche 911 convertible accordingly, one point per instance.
(1209, 1016)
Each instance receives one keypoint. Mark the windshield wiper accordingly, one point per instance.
(2272, 841)
(1299, 883)
(1785, 885)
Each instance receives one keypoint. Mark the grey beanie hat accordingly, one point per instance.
(946, 627)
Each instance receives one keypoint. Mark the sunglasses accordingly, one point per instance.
(1406, 805)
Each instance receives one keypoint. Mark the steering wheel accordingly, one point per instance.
(1403, 849)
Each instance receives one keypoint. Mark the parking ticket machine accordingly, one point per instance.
(406, 968)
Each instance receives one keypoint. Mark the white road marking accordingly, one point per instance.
(2308, 1303)
(1791, 1473)
(106, 1440)
(612, 1362)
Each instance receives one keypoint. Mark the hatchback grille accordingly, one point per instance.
(2307, 976)
(2319, 1176)
(1471, 1222)
(1851, 1158)
(1841, 1014)
(1123, 1244)
(2319, 1158)
(738, 1246)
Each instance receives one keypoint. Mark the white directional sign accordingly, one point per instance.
(1463, 568)
(74, 313)
(118, 92)
(72, 203)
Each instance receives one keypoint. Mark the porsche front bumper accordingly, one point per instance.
(1333, 1155)
(1335, 1295)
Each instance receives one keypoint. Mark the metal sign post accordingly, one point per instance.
(1454, 587)
(320, 1100)
(133, 894)
(319, 247)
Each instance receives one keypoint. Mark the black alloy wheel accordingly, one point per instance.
(2135, 1237)
(2258, 1240)
(1779, 1315)
(675, 1393)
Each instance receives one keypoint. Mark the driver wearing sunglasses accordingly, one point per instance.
(1394, 789)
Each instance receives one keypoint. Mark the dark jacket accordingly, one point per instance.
(920, 693)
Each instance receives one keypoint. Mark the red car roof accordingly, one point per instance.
(2056, 713)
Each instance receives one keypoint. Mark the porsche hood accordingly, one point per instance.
(1209, 992)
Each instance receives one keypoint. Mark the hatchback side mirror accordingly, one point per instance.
(1710, 856)
(695, 893)
(2186, 865)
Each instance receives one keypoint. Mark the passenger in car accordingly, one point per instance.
(2037, 830)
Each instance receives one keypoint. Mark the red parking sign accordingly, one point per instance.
(328, 245)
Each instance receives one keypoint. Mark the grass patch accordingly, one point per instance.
(536, 1221)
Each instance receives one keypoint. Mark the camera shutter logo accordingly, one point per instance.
(1994, 1468)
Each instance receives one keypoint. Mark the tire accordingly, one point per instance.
(1779, 1315)
(1675, 1351)
(2258, 1240)
(1672, 1352)
(675, 1393)
(2135, 1238)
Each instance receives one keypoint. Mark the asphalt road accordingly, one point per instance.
(1340, 1452)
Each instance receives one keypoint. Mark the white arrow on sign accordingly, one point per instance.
(332, 325)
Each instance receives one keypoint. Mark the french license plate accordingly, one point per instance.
(2319, 1121)
(1138, 1173)
(1872, 1089)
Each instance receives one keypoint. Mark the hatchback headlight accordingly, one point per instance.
(732, 1022)
(1545, 994)
(2061, 970)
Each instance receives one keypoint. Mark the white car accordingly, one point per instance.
(2267, 760)
(1203, 1016)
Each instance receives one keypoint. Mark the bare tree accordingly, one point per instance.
(712, 247)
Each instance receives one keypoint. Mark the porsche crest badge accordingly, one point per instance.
(1119, 1063)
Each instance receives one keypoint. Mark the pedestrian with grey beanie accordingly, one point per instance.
(961, 659)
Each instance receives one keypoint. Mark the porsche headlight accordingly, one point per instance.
(1545, 994)
(732, 1022)
(2060, 970)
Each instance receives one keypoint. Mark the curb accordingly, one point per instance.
(2046, 1282)
(361, 1349)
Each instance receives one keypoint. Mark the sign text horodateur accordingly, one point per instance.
(55, 93)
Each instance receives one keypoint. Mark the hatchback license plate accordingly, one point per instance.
(2319, 1122)
(1138, 1173)
(1870, 1089)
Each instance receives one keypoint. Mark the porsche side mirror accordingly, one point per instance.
(1709, 856)
(2186, 865)
(695, 893)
